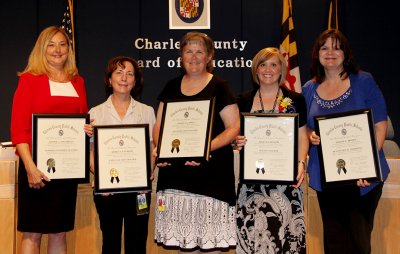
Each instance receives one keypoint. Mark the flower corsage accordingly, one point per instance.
(285, 105)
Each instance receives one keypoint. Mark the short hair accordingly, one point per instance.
(119, 61)
(338, 39)
(37, 63)
(204, 40)
(265, 54)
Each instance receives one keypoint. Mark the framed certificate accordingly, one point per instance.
(348, 150)
(60, 147)
(185, 133)
(122, 158)
(270, 154)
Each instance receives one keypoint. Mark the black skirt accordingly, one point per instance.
(50, 209)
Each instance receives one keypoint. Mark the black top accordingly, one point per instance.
(245, 102)
(214, 178)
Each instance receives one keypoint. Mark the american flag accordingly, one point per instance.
(288, 48)
(67, 23)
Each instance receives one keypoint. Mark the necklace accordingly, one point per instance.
(262, 104)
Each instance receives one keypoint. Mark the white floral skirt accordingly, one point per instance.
(188, 221)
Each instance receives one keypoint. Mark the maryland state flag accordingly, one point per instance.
(67, 22)
(189, 8)
(289, 49)
(333, 22)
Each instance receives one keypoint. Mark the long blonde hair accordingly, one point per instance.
(37, 63)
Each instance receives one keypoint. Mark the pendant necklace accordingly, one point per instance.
(262, 104)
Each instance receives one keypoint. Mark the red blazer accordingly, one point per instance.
(33, 96)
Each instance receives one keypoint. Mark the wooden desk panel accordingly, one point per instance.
(86, 238)
(7, 205)
(386, 233)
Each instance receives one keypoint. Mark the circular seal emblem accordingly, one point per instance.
(114, 172)
(186, 115)
(121, 142)
(340, 163)
(344, 131)
(259, 163)
(189, 11)
(176, 143)
(341, 166)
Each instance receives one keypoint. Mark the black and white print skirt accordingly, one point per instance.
(270, 220)
(189, 221)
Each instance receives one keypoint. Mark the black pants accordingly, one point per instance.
(115, 210)
(348, 218)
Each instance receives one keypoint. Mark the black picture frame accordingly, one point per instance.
(270, 155)
(348, 150)
(122, 162)
(60, 144)
(185, 131)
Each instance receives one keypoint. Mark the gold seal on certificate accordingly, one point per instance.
(175, 145)
(348, 150)
(270, 154)
(122, 158)
(185, 133)
(51, 165)
(114, 175)
(341, 164)
(60, 138)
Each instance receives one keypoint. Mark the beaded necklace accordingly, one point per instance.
(262, 104)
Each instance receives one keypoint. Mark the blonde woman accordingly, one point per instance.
(49, 84)
(270, 217)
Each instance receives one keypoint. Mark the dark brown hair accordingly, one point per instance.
(338, 39)
(119, 61)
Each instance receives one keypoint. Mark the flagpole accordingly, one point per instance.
(333, 21)
(71, 11)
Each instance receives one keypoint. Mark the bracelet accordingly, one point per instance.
(304, 163)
